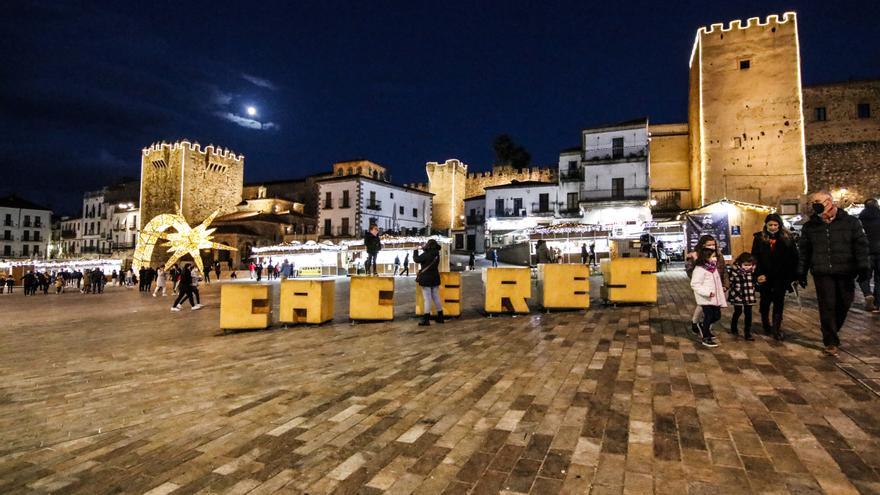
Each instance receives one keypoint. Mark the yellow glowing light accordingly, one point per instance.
(185, 240)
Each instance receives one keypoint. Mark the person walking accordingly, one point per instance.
(428, 279)
(184, 289)
(493, 257)
(705, 242)
(472, 261)
(834, 248)
(259, 270)
(708, 292)
(373, 245)
(217, 270)
(405, 271)
(742, 293)
(59, 285)
(870, 218)
(196, 278)
(593, 261)
(285, 269)
(585, 255)
(252, 267)
(396, 265)
(161, 279)
(776, 260)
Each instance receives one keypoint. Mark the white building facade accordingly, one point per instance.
(348, 204)
(473, 236)
(609, 176)
(519, 205)
(108, 226)
(26, 229)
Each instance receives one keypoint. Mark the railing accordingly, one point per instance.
(571, 175)
(374, 205)
(95, 249)
(474, 219)
(507, 213)
(666, 201)
(538, 209)
(26, 223)
(615, 153)
(338, 232)
(636, 194)
(119, 246)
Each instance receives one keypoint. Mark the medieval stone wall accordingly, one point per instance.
(184, 175)
(850, 166)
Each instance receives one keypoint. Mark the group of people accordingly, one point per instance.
(286, 269)
(87, 281)
(837, 248)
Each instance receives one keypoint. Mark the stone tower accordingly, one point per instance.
(745, 113)
(198, 180)
(448, 182)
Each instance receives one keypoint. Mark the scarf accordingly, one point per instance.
(711, 266)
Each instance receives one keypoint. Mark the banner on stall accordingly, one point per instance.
(715, 224)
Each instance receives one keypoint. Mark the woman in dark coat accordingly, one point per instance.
(428, 279)
(776, 259)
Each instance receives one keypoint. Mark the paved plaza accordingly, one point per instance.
(114, 393)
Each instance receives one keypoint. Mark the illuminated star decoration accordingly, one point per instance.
(188, 241)
(184, 240)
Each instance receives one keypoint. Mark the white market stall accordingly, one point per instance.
(309, 259)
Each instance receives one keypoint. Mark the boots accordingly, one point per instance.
(765, 323)
(426, 320)
(440, 317)
(777, 327)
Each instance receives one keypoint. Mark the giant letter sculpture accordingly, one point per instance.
(371, 298)
(306, 301)
(564, 286)
(450, 295)
(507, 289)
(244, 306)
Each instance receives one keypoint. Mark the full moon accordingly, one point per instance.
(251, 111)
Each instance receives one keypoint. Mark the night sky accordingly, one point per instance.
(84, 86)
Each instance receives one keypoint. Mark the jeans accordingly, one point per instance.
(866, 285)
(835, 294)
(430, 294)
(744, 310)
(711, 314)
(370, 264)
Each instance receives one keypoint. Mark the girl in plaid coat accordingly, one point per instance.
(742, 293)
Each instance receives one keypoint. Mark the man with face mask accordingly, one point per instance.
(834, 248)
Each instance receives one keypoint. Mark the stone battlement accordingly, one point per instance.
(772, 20)
(193, 146)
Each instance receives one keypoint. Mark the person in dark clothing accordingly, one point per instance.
(184, 288)
(217, 270)
(543, 253)
(834, 248)
(776, 260)
(493, 257)
(373, 245)
(585, 255)
(870, 218)
(428, 279)
(593, 260)
(405, 271)
(472, 261)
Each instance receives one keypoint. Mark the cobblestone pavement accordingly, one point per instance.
(114, 393)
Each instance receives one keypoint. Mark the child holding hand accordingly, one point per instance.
(709, 293)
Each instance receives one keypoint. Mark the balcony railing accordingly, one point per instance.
(636, 194)
(666, 200)
(338, 232)
(121, 246)
(374, 205)
(571, 175)
(541, 210)
(507, 213)
(620, 153)
(8, 223)
(474, 220)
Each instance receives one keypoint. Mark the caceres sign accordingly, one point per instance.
(505, 291)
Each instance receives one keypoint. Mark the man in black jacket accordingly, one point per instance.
(373, 245)
(834, 248)
(870, 218)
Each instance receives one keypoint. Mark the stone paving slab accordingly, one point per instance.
(113, 393)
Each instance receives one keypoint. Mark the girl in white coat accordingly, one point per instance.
(709, 293)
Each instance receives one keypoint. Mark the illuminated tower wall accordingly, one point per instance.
(744, 113)
(199, 180)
